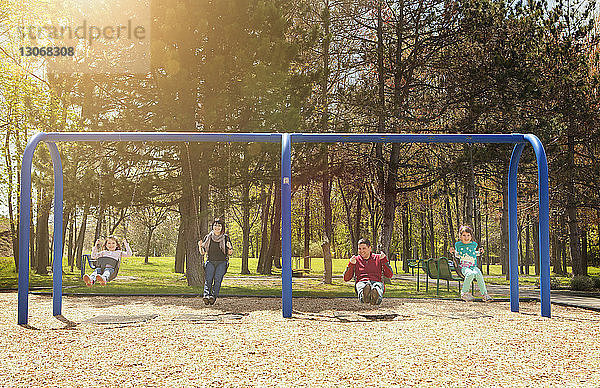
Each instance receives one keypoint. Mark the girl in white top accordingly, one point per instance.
(109, 248)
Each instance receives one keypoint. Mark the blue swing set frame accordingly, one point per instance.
(286, 140)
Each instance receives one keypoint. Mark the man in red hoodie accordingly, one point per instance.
(367, 268)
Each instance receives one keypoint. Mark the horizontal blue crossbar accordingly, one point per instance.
(163, 136)
(407, 138)
(513, 138)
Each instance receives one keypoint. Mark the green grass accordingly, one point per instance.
(158, 277)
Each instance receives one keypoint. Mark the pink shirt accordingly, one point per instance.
(116, 254)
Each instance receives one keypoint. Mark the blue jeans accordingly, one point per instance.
(470, 274)
(108, 271)
(376, 285)
(214, 271)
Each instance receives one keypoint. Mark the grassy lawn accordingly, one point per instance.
(158, 277)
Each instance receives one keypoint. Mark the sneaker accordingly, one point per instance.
(367, 294)
(212, 300)
(467, 297)
(487, 298)
(88, 280)
(374, 296)
(206, 300)
(100, 280)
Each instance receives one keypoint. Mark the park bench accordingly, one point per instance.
(413, 264)
(298, 270)
(441, 269)
(418, 264)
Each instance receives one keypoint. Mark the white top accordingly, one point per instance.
(116, 254)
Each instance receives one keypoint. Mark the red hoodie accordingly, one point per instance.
(369, 269)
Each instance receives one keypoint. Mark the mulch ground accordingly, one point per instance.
(245, 342)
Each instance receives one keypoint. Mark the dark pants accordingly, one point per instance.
(214, 271)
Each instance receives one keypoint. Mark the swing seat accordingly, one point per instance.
(382, 280)
(102, 262)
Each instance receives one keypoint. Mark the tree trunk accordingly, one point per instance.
(98, 231)
(33, 232)
(470, 188)
(553, 251)
(188, 204)
(584, 253)
(423, 229)
(390, 198)
(275, 246)
(563, 254)
(457, 205)
(431, 229)
(406, 243)
(357, 219)
(81, 235)
(597, 262)
(520, 247)
(373, 211)
(574, 239)
(487, 237)
(180, 248)
(448, 240)
(205, 217)
(449, 210)
(307, 225)
(571, 210)
(504, 226)
(11, 216)
(563, 245)
(275, 240)
(70, 255)
(328, 217)
(556, 250)
(148, 241)
(264, 239)
(477, 215)
(527, 246)
(66, 222)
(245, 226)
(73, 247)
(42, 236)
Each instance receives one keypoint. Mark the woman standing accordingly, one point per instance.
(217, 246)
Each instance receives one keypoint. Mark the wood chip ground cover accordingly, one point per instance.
(427, 343)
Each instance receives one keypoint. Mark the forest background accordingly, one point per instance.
(409, 66)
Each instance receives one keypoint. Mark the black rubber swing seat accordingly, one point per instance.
(103, 261)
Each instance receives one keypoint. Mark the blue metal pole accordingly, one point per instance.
(286, 225)
(286, 140)
(513, 239)
(544, 223)
(58, 230)
(24, 220)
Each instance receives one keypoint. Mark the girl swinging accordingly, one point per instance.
(109, 253)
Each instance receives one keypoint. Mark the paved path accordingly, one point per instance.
(561, 297)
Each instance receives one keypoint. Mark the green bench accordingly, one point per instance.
(412, 264)
(441, 269)
(416, 264)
